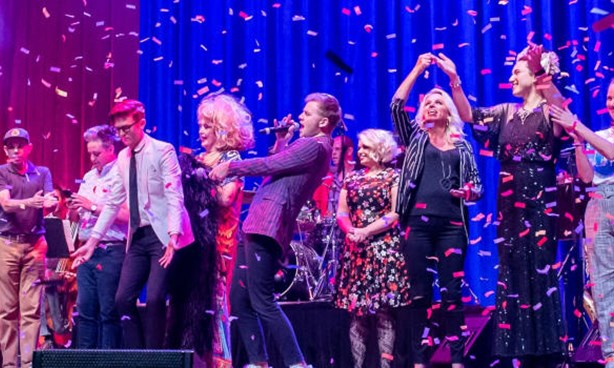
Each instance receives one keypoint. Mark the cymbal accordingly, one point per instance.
(248, 196)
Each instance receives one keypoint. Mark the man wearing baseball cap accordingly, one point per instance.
(25, 189)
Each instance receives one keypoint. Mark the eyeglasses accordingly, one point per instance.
(124, 129)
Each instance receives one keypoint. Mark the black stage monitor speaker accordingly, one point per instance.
(588, 353)
(477, 346)
(72, 358)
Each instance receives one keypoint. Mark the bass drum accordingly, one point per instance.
(298, 275)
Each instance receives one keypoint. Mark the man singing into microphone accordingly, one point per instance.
(294, 172)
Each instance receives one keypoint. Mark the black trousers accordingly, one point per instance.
(253, 302)
(141, 268)
(436, 244)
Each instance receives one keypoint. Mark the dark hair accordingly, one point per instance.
(346, 144)
(127, 108)
(106, 134)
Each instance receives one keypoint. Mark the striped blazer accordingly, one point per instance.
(414, 139)
(293, 176)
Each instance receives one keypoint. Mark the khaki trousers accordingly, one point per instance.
(22, 267)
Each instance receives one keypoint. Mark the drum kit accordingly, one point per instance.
(308, 271)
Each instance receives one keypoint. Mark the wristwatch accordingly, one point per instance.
(93, 208)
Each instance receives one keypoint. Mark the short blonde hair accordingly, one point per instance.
(231, 121)
(384, 146)
(454, 129)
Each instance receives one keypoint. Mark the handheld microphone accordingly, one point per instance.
(279, 128)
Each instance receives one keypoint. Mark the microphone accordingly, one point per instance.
(280, 128)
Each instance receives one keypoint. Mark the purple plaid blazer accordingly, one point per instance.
(292, 176)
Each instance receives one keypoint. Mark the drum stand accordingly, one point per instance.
(324, 289)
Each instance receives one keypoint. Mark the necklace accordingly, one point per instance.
(524, 112)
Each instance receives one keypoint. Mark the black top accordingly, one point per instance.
(30, 220)
(414, 139)
(441, 173)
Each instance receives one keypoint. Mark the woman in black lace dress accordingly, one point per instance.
(527, 320)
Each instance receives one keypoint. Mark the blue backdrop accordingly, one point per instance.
(272, 54)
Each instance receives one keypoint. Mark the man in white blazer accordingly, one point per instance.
(150, 178)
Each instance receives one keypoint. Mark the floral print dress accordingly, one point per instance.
(372, 273)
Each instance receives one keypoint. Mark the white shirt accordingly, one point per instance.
(96, 187)
(604, 169)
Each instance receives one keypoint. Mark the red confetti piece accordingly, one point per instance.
(421, 205)
(458, 274)
(485, 71)
(524, 233)
(507, 193)
(505, 86)
(168, 185)
(542, 241)
(438, 46)
(505, 326)
(525, 11)
(520, 205)
(185, 150)
(486, 153)
(346, 11)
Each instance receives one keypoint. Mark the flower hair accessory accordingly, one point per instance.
(550, 62)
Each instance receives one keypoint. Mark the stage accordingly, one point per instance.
(322, 334)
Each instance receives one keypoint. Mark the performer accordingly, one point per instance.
(342, 163)
(55, 298)
(25, 190)
(372, 277)
(597, 168)
(225, 128)
(528, 321)
(98, 278)
(149, 176)
(295, 171)
(439, 177)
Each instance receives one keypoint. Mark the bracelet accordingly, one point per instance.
(455, 84)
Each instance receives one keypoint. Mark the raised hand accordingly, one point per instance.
(534, 56)
(423, 62)
(446, 64)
